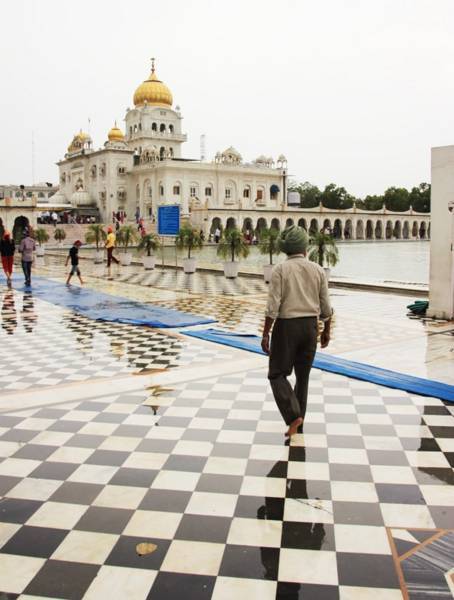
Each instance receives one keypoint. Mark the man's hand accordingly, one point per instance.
(266, 343)
(325, 338)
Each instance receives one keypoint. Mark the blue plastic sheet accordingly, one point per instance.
(340, 366)
(105, 307)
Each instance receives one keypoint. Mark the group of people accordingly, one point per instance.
(26, 248)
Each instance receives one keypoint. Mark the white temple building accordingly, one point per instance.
(143, 167)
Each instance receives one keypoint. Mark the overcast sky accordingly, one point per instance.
(351, 91)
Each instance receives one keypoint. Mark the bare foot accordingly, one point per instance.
(293, 428)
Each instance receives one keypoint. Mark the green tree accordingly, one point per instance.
(420, 198)
(336, 197)
(397, 199)
(189, 239)
(323, 249)
(373, 202)
(309, 194)
(269, 243)
(232, 245)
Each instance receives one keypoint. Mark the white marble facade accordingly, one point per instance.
(143, 167)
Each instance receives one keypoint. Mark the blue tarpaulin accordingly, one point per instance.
(338, 365)
(105, 307)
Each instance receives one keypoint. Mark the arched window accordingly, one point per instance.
(171, 128)
(162, 128)
(162, 153)
(154, 127)
(260, 198)
(209, 190)
(274, 192)
(140, 126)
(193, 190)
(247, 191)
(135, 128)
(177, 188)
(171, 152)
(41, 195)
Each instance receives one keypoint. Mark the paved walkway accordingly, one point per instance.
(112, 436)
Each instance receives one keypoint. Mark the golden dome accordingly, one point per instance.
(78, 141)
(115, 134)
(152, 91)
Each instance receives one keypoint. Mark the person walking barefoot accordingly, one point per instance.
(297, 297)
(26, 248)
(110, 246)
(7, 249)
(74, 256)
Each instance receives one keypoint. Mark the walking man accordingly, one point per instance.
(110, 245)
(26, 248)
(74, 256)
(297, 297)
(7, 249)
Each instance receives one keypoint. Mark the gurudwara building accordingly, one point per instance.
(143, 167)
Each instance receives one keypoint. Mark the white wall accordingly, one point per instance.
(441, 297)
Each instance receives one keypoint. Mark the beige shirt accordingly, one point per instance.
(298, 288)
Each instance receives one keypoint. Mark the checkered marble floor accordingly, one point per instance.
(44, 345)
(203, 474)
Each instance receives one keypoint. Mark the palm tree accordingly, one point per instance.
(232, 245)
(269, 242)
(188, 238)
(41, 236)
(323, 249)
(95, 235)
(59, 235)
(126, 236)
(149, 243)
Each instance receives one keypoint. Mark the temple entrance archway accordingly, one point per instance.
(20, 225)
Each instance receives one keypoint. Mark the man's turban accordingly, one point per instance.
(293, 240)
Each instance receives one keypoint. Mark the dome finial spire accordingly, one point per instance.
(152, 65)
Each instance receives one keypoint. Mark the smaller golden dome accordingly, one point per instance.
(115, 134)
(78, 141)
(153, 91)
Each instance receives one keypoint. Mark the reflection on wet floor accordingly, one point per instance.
(185, 488)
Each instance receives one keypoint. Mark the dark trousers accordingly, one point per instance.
(293, 346)
(27, 269)
(111, 257)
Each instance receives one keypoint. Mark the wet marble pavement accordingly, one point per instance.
(121, 435)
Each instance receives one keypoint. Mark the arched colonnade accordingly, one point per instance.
(348, 227)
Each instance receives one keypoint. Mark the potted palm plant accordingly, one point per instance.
(149, 243)
(41, 236)
(59, 235)
(95, 235)
(125, 237)
(269, 245)
(323, 250)
(232, 245)
(189, 239)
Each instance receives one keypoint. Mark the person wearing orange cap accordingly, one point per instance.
(74, 256)
(110, 246)
(7, 249)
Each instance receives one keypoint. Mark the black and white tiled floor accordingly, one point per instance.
(205, 476)
(44, 345)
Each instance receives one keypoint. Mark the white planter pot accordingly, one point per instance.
(99, 257)
(189, 265)
(40, 251)
(267, 270)
(125, 258)
(231, 269)
(327, 272)
(149, 262)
